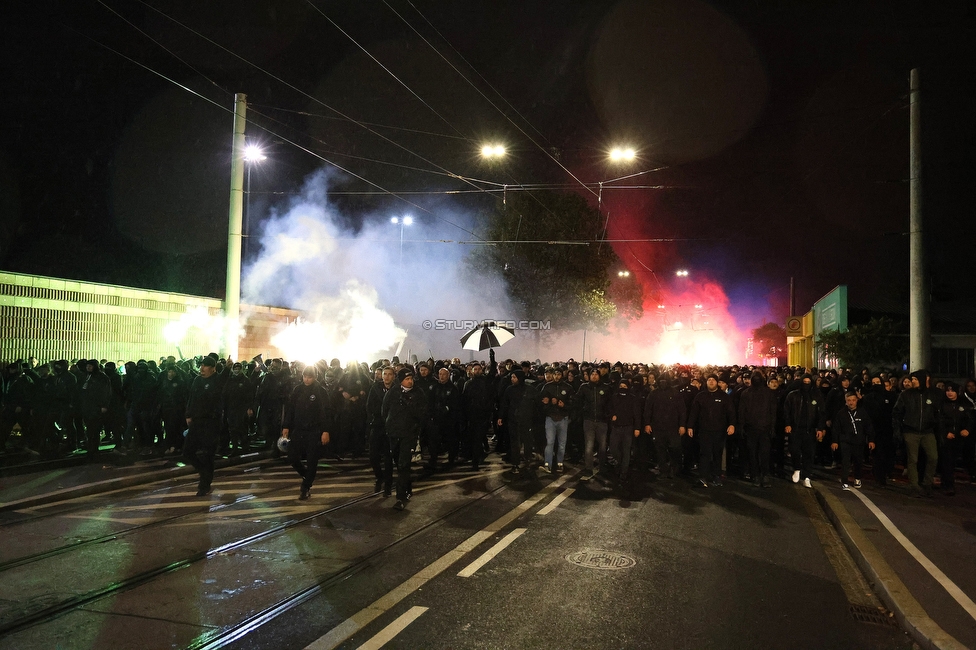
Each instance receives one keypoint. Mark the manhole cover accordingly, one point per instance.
(597, 559)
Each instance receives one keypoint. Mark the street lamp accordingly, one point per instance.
(401, 221)
(623, 274)
(682, 273)
(622, 154)
(492, 151)
(252, 154)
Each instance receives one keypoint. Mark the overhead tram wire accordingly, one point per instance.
(270, 132)
(478, 90)
(385, 69)
(314, 99)
(373, 124)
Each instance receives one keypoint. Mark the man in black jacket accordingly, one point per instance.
(917, 417)
(803, 412)
(94, 396)
(757, 423)
(445, 409)
(405, 412)
(852, 429)
(713, 417)
(308, 418)
(379, 444)
(624, 409)
(665, 416)
(592, 398)
(203, 421)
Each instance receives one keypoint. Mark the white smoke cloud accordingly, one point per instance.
(362, 302)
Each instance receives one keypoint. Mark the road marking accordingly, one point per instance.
(958, 594)
(555, 502)
(387, 634)
(364, 617)
(486, 557)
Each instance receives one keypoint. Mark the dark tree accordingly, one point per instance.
(871, 344)
(553, 263)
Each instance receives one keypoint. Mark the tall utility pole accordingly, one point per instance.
(232, 297)
(919, 325)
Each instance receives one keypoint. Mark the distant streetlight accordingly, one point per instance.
(623, 274)
(698, 306)
(660, 306)
(622, 154)
(682, 273)
(492, 151)
(252, 154)
(401, 221)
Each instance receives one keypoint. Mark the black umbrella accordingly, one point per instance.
(487, 335)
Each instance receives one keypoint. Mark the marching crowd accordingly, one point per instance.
(610, 418)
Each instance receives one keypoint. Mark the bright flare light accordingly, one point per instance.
(618, 154)
(623, 274)
(682, 273)
(493, 151)
(407, 221)
(209, 328)
(253, 153)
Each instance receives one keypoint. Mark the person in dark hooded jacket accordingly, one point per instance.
(957, 422)
(592, 400)
(624, 409)
(757, 421)
(95, 397)
(519, 436)
(308, 419)
(803, 412)
(665, 417)
(917, 418)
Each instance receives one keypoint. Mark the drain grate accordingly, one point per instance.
(600, 559)
(873, 615)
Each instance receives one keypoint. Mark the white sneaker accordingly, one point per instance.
(807, 483)
(845, 487)
(796, 476)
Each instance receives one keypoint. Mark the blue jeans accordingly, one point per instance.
(554, 431)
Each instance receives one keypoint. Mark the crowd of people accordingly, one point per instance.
(703, 423)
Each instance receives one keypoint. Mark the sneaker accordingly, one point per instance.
(845, 487)
(796, 476)
(857, 483)
(560, 468)
(546, 469)
(399, 505)
(807, 483)
(204, 491)
(303, 496)
(516, 470)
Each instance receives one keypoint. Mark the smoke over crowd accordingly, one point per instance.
(367, 295)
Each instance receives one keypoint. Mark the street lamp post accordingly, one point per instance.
(252, 154)
(402, 221)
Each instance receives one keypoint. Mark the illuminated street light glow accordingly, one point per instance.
(698, 306)
(253, 153)
(493, 151)
(618, 154)
(623, 274)
(395, 220)
(660, 306)
(682, 273)
(407, 221)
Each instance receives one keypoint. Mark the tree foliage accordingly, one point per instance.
(871, 344)
(769, 340)
(568, 284)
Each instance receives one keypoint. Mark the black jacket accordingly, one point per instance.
(592, 401)
(665, 411)
(918, 410)
(803, 410)
(712, 412)
(404, 412)
(956, 418)
(206, 397)
(625, 405)
(557, 392)
(852, 427)
(308, 409)
(374, 405)
(757, 410)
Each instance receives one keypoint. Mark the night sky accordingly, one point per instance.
(781, 129)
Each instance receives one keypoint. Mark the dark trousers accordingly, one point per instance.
(200, 448)
(442, 437)
(927, 442)
(401, 450)
(521, 440)
(948, 455)
(759, 446)
(475, 435)
(174, 424)
(92, 435)
(595, 439)
(883, 457)
(803, 446)
(380, 458)
(308, 445)
(668, 446)
(711, 444)
(237, 426)
(269, 423)
(621, 439)
(851, 452)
